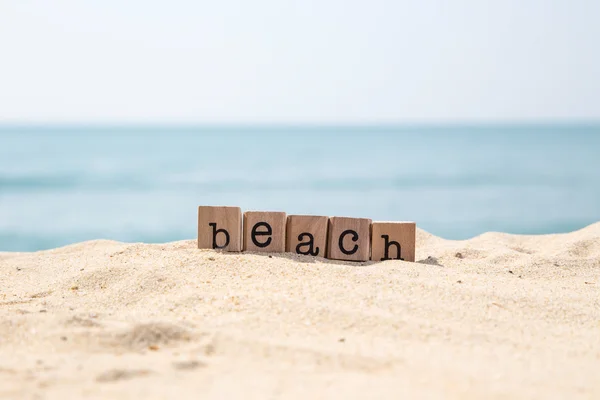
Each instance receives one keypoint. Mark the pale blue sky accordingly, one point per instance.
(307, 61)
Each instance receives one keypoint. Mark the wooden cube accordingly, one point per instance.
(264, 231)
(307, 235)
(349, 239)
(393, 241)
(220, 228)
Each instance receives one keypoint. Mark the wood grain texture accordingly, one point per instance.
(349, 239)
(220, 228)
(395, 237)
(307, 234)
(264, 231)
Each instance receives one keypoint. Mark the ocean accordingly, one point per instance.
(61, 185)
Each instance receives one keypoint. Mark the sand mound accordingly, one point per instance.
(151, 335)
(494, 316)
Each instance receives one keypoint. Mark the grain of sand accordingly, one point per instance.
(496, 316)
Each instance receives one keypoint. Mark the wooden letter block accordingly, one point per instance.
(220, 228)
(349, 239)
(394, 241)
(307, 234)
(264, 231)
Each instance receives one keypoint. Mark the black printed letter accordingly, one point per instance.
(256, 233)
(354, 239)
(386, 252)
(217, 231)
(310, 243)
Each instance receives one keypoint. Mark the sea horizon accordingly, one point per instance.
(276, 125)
(61, 184)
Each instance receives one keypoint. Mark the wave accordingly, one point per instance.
(37, 182)
(66, 182)
(60, 182)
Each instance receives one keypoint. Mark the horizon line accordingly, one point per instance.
(156, 125)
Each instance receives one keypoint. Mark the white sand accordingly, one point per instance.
(515, 317)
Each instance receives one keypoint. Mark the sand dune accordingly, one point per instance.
(495, 316)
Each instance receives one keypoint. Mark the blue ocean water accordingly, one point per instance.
(60, 185)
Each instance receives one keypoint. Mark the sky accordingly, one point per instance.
(305, 61)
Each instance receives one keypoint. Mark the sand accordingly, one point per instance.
(496, 316)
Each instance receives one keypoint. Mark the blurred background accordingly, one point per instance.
(117, 119)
